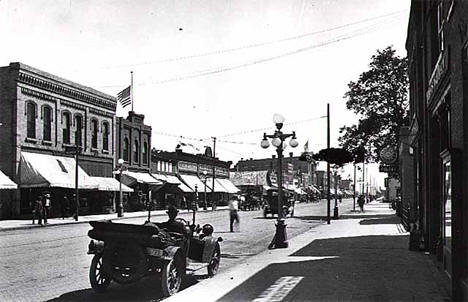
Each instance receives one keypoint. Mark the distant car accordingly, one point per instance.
(271, 205)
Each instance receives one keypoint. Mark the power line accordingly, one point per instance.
(272, 127)
(254, 45)
(255, 62)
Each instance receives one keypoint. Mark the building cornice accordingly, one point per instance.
(77, 93)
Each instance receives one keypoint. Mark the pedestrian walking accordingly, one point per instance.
(38, 210)
(361, 202)
(233, 213)
(73, 208)
(64, 207)
(46, 206)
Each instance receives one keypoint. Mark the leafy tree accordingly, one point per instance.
(379, 98)
(335, 156)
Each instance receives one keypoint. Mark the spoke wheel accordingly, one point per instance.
(214, 262)
(171, 278)
(97, 277)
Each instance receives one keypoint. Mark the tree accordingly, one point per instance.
(334, 156)
(379, 98)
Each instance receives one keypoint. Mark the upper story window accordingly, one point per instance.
(125, 150)
(66, 124)
(47, 121)
(105, 136)
(145, 153)
(31, 114)
(78, 130)
(136, 152)
(94, 134)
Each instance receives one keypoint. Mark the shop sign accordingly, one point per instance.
(388, 168)
(437, 74)
(187, 166)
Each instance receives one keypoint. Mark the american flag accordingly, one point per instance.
(124, 97)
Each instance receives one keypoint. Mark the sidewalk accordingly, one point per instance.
(27, 224)
(359, 257)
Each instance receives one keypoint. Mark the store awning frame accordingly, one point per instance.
(38, 170)
(129, 178)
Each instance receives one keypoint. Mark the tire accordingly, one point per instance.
(214, 262)
(171, 278)
(98, 279)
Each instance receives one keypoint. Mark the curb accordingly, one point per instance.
(32, 226)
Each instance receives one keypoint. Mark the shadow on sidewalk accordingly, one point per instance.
(386, 220)
(366, 268)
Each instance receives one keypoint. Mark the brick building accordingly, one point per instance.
(41, 116)
(302, 171)
(195, 173)
(437, 46)
(133, 145)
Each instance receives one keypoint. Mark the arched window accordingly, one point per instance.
(105, 136)
(145, 153)
(31, 120)
(78, 130)
(47, 121)
(136, 152)
(125, 152)
(94, 134)
(66, 121)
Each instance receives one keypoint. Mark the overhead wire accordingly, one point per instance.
(213, 71)
(254, 45)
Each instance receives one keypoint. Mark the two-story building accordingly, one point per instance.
(43, 117)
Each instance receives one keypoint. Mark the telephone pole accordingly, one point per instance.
(213, 201)
(328, 164)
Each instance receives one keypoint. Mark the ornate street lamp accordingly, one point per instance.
(278, 141)
(120, 170)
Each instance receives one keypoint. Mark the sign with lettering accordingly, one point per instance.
(187, 166)
(388, 168)
(437, 74)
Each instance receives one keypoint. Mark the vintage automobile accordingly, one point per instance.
(125, 253)
(271, 205)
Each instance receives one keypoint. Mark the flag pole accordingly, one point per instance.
(131, 88)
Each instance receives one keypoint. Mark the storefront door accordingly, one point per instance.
(447, 214)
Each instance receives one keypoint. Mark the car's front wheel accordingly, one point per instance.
(97, 277)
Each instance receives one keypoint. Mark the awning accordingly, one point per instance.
(184, 188)
(191, 181)
(218, 185)
(170, 179)
(6, 183)
(42, 170)
(129, 178)
(110, 184)
(228, 185)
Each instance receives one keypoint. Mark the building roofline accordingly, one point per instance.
(30, 69)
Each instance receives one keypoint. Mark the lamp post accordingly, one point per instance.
(205, 206)
(119, 171)
(278, 138)
(76, 150)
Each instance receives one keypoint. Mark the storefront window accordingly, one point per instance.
(448, 206)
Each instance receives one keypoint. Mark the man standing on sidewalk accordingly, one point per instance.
(38, 209)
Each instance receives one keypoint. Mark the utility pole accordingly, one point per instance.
(354, 188)
(213, 201)
(328, 164)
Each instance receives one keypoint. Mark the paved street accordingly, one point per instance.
(51, 262)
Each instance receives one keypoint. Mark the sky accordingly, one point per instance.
(212, 68)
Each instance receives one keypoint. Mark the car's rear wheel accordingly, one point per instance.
(98, 278)
(171, 278)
